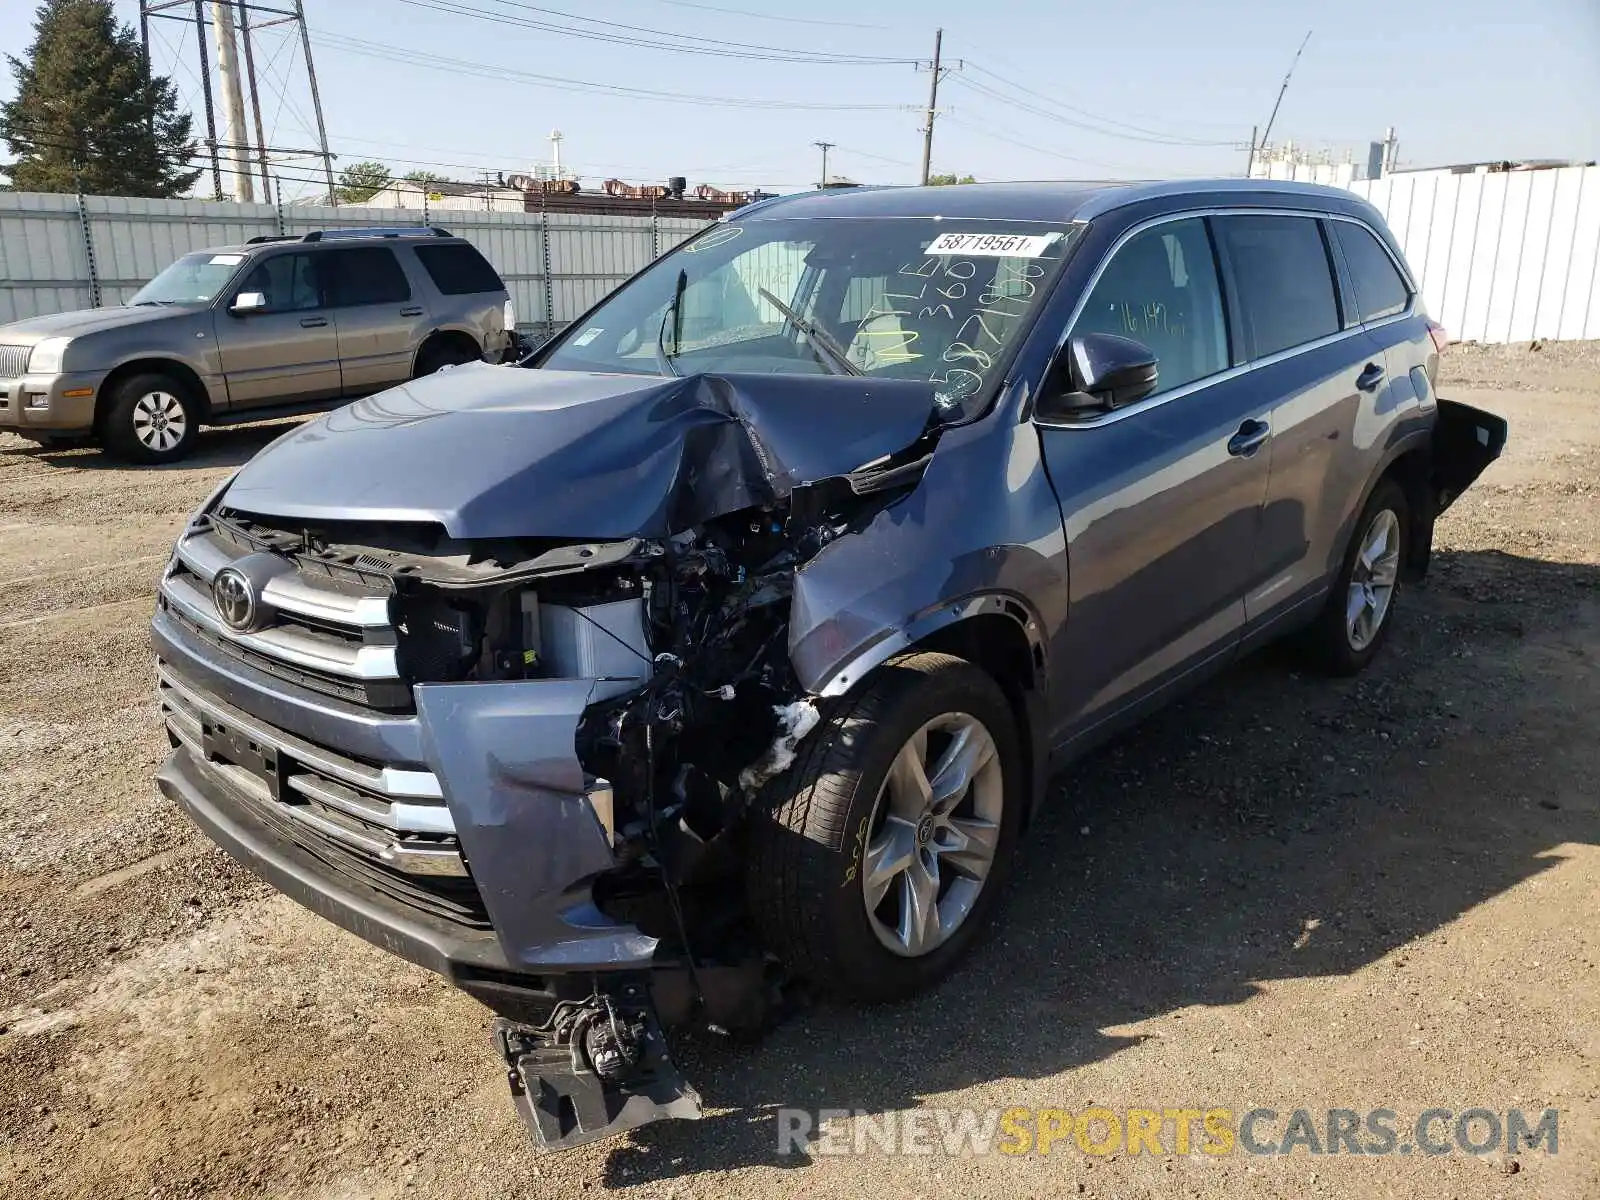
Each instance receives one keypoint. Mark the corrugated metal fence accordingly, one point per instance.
(61, 252)
(1504, 257)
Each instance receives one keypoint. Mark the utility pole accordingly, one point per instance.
(933, 106)
(205, 88)
(255, 100)
(938, 72)
(316, 100)
(1391, 150)
(1250, 163)
(235, 137)
(824, 147)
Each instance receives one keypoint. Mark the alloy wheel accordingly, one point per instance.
(933, 834)
(1372, 580)
(159, 421)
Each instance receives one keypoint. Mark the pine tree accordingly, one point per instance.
(88, 114)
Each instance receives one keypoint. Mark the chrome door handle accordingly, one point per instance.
(1369, 379)
(1249, 439)
(411, 310)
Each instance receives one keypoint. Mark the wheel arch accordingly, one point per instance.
(180, 371)
(450, 335)
(996, 632)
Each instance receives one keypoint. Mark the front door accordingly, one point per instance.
(1162, 500)
(380, 323)
(287, 351)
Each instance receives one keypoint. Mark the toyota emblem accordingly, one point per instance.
(235, 598)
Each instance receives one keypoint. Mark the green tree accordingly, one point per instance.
(944, 180)
(361, 181)
(423, 177)
(87, 112)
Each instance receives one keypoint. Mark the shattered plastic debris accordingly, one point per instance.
(794, 722)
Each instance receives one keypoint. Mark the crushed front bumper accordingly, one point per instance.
(328, 801)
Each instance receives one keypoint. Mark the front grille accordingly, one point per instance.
(14, 361)
(388, 831)
(327, 635)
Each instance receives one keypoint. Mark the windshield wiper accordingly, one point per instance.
(674, 313)
(829, 353)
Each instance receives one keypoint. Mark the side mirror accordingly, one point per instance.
(248, 302)
(1097, 372)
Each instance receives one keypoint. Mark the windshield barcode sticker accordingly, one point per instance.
(226, 260)
(993, 245)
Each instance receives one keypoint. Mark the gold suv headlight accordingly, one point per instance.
(47, 355)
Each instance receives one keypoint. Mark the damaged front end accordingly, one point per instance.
(600, 714)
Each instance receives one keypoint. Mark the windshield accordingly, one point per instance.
(193, 279)
(932, 299)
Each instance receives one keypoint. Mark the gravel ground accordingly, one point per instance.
(1283, 893)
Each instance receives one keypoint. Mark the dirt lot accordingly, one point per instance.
(1285, 893)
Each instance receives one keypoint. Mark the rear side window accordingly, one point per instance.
(1161, 289)
(364, 275)
(458, 269)
(1285, 282)
(1381, 290)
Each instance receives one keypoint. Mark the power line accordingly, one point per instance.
(460, 66)
(647, 38)
(981, 131)
(1012, 102)
(1084, 112)
(754, 16)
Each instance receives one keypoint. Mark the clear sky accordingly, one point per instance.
(1047, 90)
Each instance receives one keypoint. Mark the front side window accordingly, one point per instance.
(1284, 278)
(365, 275)
(1381, 290)
(1160, 288)
(193, 279)
(288, 281)
(904, 298)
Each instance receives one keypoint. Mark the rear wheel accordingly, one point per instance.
(1360, 608)
(889, 839)
(445, 353)
(151, 419)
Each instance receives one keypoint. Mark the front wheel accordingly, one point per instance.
(889, 839)
(151, 419)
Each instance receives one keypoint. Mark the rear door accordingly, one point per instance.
(1383, 300)
(1323, 372)
(379, 319)
(286, 352)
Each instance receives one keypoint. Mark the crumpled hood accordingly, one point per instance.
(81, 321)
(491, 452)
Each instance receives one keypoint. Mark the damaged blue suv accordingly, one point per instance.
(734, 639)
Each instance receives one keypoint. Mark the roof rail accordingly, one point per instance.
(263, 238)
(378, 231)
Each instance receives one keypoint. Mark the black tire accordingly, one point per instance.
(151, 418)
(1330, 643)
(447, 352)
(809, 838)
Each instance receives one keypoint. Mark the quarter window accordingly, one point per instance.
(365, 275)
(1381, 290)
(457, 269)
(1284, 278)
(288, 281)
(1161, 289)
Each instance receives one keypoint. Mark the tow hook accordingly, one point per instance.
(595, 1068)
